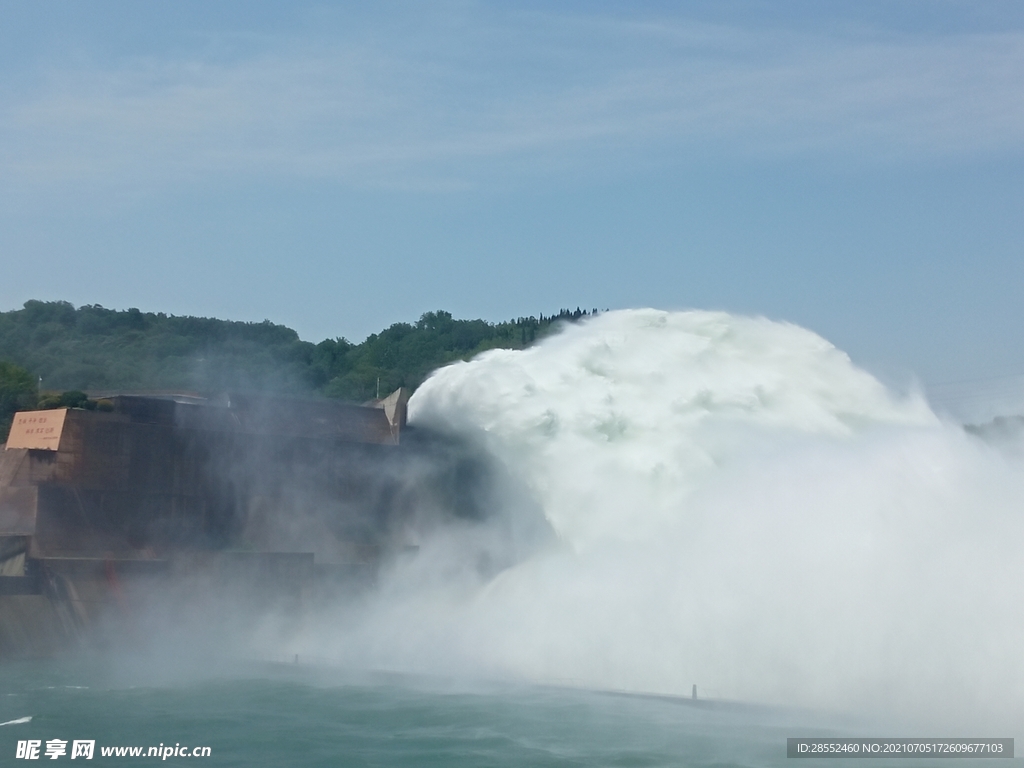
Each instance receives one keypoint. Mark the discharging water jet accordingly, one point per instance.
(729, 499)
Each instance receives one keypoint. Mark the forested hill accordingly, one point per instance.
(96, 348)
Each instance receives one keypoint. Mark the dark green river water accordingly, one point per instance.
(259, 714)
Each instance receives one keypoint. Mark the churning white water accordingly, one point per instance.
(731, 503)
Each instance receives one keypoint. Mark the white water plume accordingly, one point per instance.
(735, 505)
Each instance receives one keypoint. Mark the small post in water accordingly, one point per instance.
(693, 695)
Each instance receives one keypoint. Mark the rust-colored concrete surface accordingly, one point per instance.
(244, 489)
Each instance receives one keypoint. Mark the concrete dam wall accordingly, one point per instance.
(271, 499)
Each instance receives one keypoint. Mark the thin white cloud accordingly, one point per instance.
(437, 111)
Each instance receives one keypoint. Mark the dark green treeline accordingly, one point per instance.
(91, 348)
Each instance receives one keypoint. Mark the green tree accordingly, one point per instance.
(17, 393)
(93, 348)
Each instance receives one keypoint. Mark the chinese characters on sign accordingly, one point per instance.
(37, 430)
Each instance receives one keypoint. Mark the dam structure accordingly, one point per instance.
(269, 500)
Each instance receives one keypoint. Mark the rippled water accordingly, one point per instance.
(274, 715)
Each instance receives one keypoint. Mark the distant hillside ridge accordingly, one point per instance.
(91, 348)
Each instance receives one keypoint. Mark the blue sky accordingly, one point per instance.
(852, 167)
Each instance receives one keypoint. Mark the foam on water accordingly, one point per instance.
(733, 504)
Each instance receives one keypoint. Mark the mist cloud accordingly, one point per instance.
(736, 506)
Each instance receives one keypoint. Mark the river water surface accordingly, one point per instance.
(308, 715)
